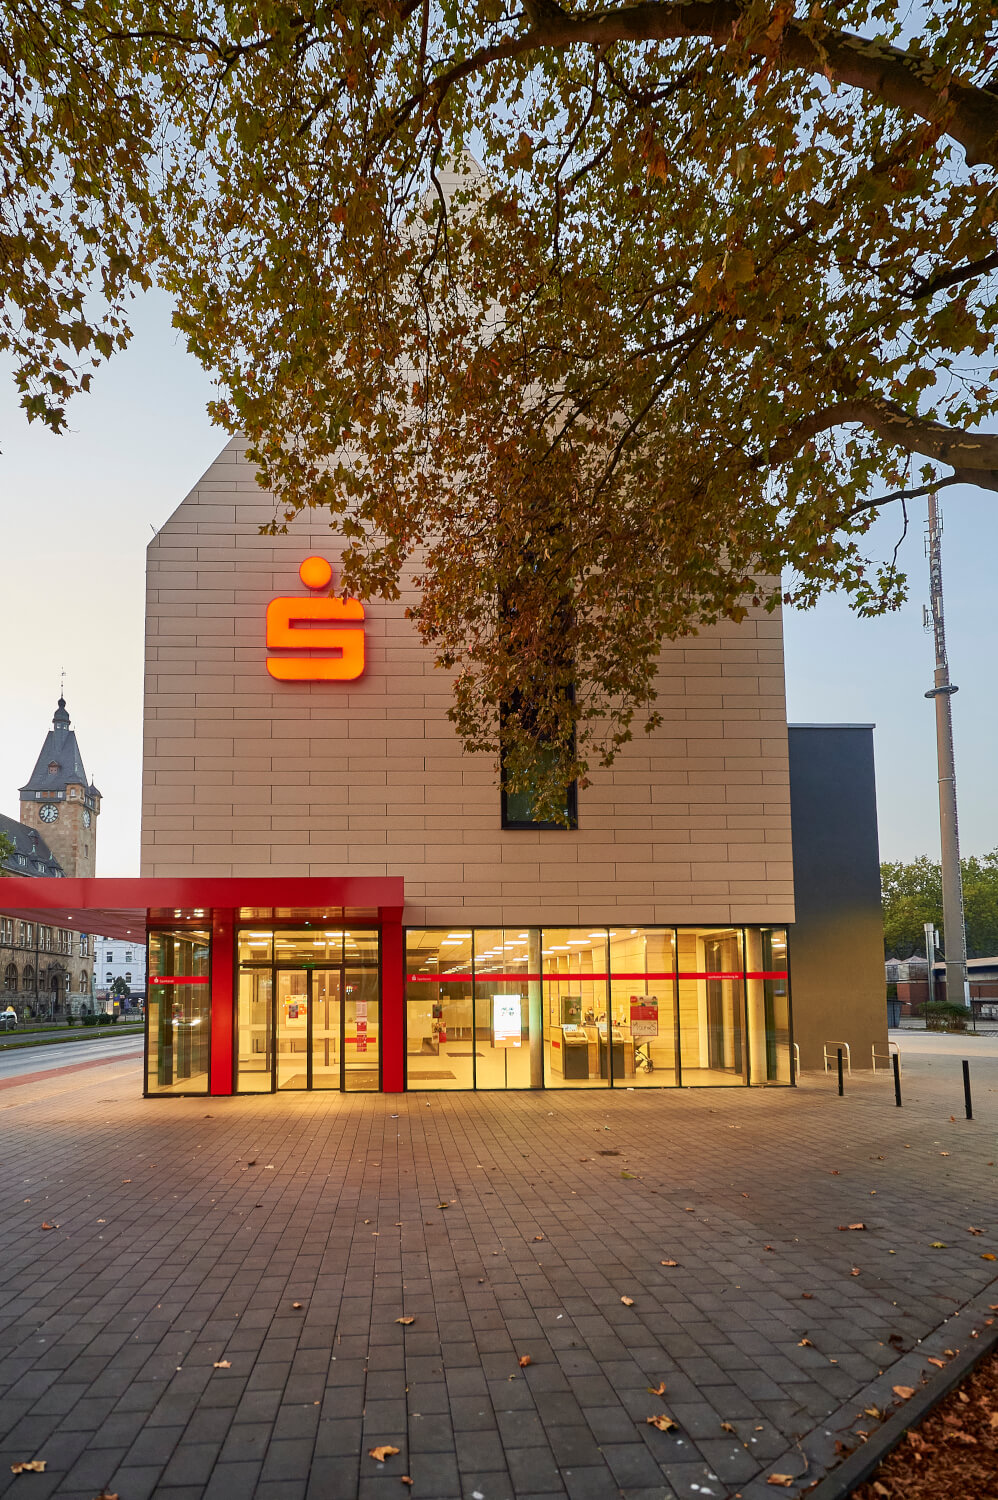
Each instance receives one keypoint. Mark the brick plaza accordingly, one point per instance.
(187, 1230)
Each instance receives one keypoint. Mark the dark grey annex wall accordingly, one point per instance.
(836, 946)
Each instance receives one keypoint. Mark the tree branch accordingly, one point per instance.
(906, 80)
(973, 455)
(926, 489)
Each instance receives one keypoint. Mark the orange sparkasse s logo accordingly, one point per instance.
(315, 623)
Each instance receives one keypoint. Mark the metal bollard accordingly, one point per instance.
(966, 1090)
(897, 1080)
(841, 1089)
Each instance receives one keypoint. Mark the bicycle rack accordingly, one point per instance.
(885, 1057)
(831, 1049)
(796, 1059)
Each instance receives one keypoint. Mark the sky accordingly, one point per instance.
(77, 511)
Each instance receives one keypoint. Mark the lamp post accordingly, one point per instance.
(957, 988)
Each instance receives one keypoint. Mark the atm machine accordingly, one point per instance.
(574, 1052)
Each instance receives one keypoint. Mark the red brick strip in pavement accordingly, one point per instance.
(97, 1062)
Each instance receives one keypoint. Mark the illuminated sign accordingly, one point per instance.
(507, 1026)
(316, 623)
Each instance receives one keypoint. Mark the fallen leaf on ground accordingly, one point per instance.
(125, 1180)
(406, 1321)
(443, 1205)
(937, 1245)
(662, 1421)
(627, 1301)
(971, 1230)
(668, 1263)
(808, 1296)
(223, 1364)
(384, 1451)
(538, 1236)
(805, 1344)
(524, 1361)
(296, 1305)
(727, 1427)
(944, 1153)
(631, 1176)
(768, 1247)
(405, 1479)
(47, 1225)
(988, 1256)
(786, 1480)
(940, 1363)
(30, 1466)
(834, 1172)
(106, 1494)
(657, 1390)
(854, 1271)
(852, 1226)
(872, 1411)
(903, 1392)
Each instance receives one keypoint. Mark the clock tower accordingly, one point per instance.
(61, 802)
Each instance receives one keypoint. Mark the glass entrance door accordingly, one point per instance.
(291, 1051)
(327, 1029)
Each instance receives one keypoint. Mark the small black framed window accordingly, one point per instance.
(518, 807)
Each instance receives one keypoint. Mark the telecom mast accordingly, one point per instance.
(957, 989)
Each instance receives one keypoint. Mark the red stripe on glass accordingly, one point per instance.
(488, 976)
(178, 979)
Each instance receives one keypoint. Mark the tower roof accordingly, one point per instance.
(59, 764)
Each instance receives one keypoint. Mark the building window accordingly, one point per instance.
(84, 985)
(28, 978)
(10, 977)
(7, 931)
(519, 808)
(128, 978)
(179, 1012)
(128, 957)
(109, 959)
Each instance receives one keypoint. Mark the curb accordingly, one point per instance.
(860, 1464)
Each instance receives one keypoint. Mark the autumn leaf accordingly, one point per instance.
(524, 1361)
(663, 1422)
(727, 1427)
(873, 1411)
(538, 1236)
(296, 1306)
(940, 1363)
(30, 1466)
(46, 1225)
(668, 1263)
(786, 1480)
(854, 1271)
(630, 1176)
(657, 1390)
(808, 1296)
(971, 1230)
(406, 1321)
(223, 1364)
(852, 1226)
(405, 1479)
(986, 1255)
(804, 1344)
(627, 1301)
(937, 1245)
(441, 1205)
(903, 1392)
(381, 1453)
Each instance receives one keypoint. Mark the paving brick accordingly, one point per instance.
(89, 1360)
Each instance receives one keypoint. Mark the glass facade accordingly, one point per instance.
(178, 1012)
(308, 1011)
(596, 1008)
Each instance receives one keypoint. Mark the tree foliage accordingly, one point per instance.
(913, 895)
(726, 279)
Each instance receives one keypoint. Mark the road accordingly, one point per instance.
(943, 1044)
(60, 1055)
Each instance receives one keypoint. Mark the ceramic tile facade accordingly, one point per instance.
(244, 775)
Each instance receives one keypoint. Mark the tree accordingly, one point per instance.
(6, 851)
(120, 987)
(728, 278)
(912, 896)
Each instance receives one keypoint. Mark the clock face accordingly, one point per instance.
(86, 817)
(49, 813)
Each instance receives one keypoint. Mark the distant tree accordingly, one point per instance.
(121, 987)
(913, 895)
(6, 850)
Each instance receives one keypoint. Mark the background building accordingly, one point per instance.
(123, 960)
(48, 969)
